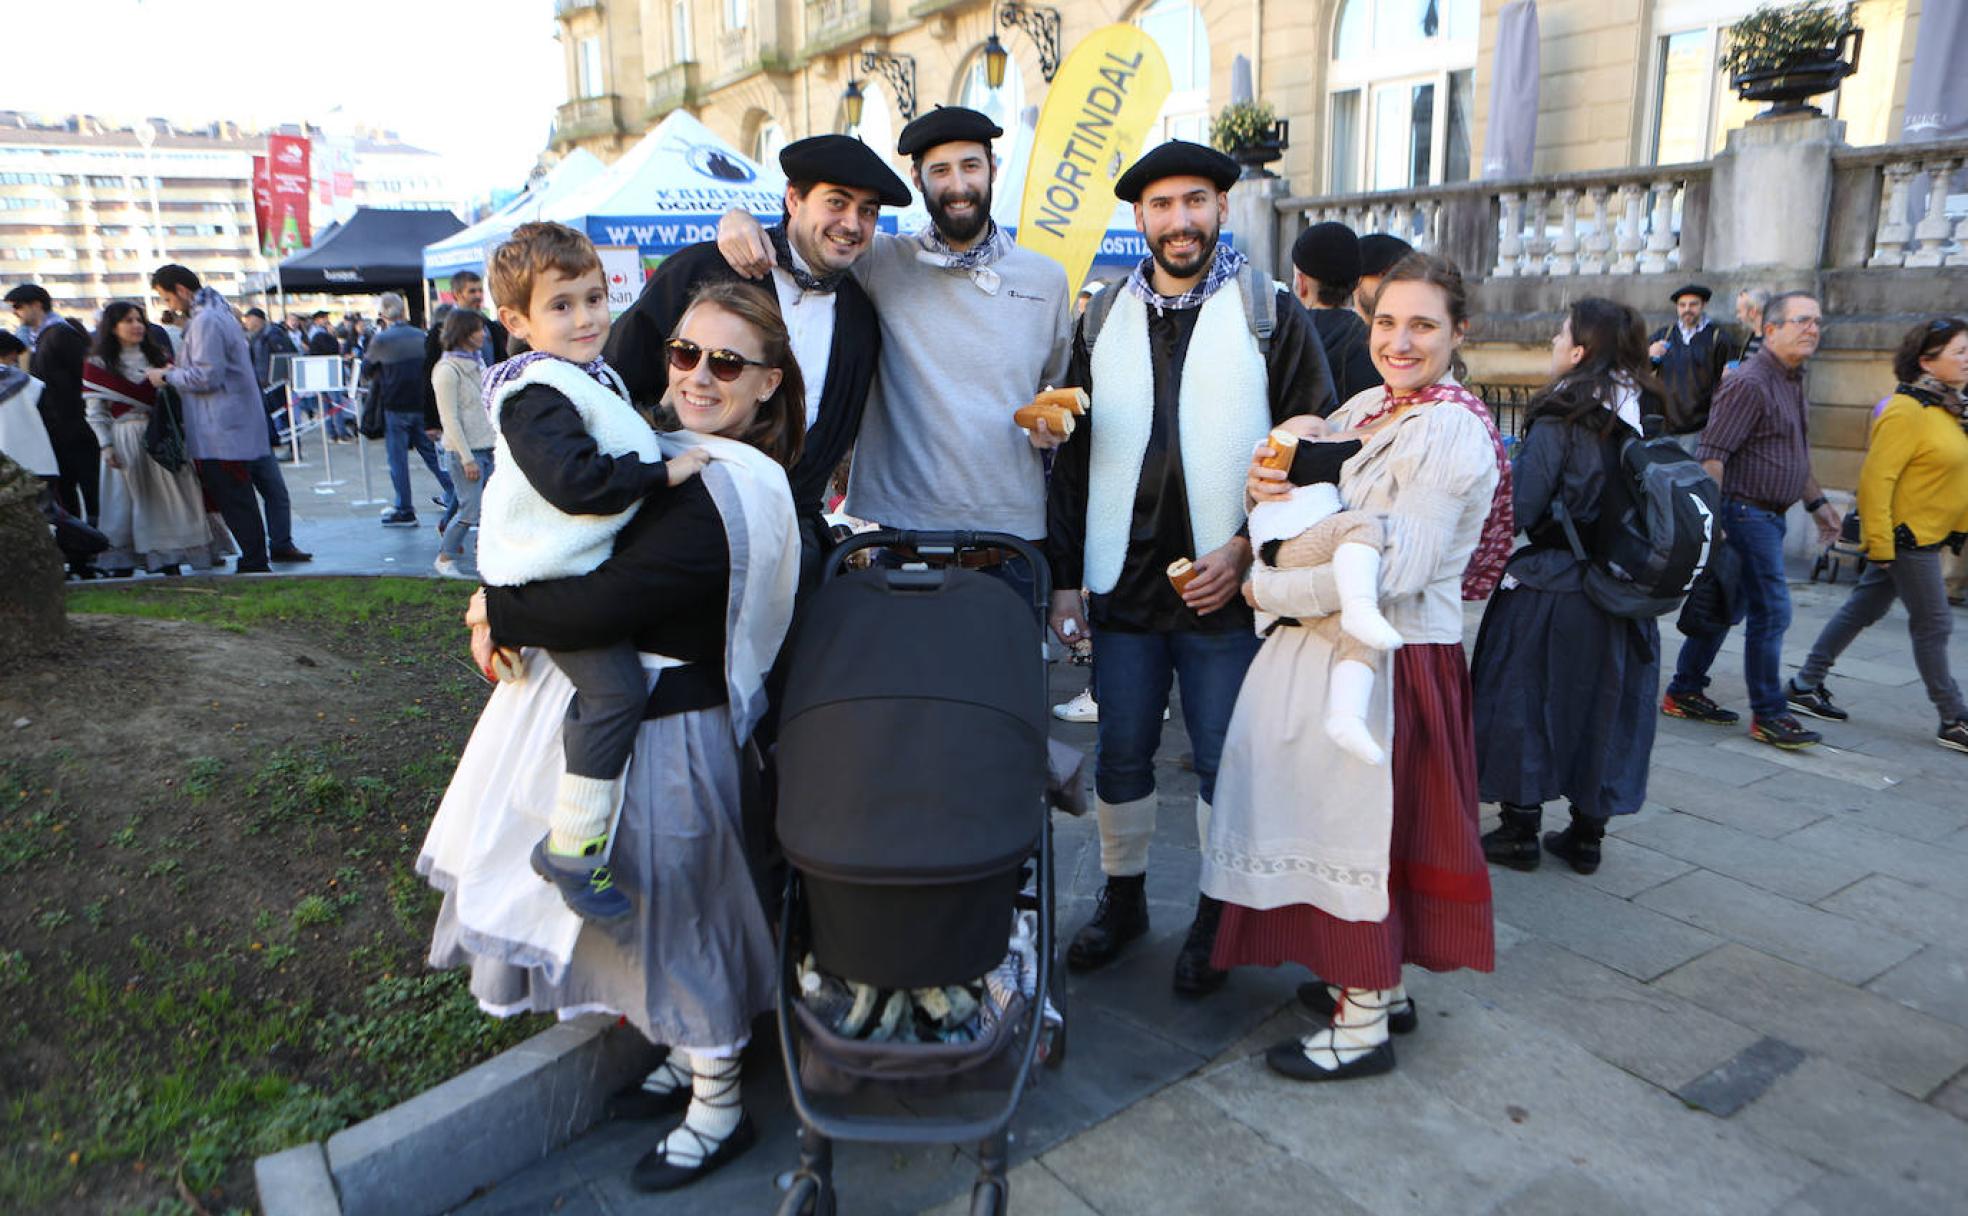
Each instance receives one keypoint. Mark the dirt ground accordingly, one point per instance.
(211, 938)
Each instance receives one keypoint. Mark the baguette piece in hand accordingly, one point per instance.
(1073, 400)
(1058, 419)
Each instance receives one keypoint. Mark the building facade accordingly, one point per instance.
(1380, 94)
(90, 206)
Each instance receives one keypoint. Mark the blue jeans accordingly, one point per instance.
(466, 517)
(403, 431)
(1757, 536)
(1132, 674)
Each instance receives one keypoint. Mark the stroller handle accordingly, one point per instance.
(941, 544)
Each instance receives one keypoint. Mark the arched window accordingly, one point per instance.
(766, 144)
(1403, 82)
(1001, 104)
(1177, 27)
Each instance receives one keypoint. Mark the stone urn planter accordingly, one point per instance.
(1788, 54)
(1257, 153)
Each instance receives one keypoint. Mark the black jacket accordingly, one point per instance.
(1691, 370)
(1344, 336)
(270, 341)
(57, 364)
(1143, 599)
(635, 350)
(560, 459)
(434, 350)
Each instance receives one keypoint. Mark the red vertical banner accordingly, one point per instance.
(291, 180)
(263, 204)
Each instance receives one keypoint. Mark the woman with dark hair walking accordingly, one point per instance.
(154, 518)
(1565, 690)
(1913, 499)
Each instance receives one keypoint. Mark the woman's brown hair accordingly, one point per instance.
(1924, 341)
(459, 327)
(778, 427)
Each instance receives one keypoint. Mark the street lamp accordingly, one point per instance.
(995, 57)
(851, 102)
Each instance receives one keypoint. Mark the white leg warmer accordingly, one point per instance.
(1202, 823)
(581, 809)
(1125, 830)
(1359, 1025)
(1356, 575)
(1349, 694)
(714, 1111)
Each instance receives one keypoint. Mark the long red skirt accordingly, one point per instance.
(1439, 913)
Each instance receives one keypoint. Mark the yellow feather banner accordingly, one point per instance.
(1097, 112)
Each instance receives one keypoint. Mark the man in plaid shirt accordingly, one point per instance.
(1757, 447)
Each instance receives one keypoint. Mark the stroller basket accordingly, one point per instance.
(831, 1064)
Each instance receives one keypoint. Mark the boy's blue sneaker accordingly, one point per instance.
(586, 885)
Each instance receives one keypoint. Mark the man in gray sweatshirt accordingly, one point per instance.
(972, 327)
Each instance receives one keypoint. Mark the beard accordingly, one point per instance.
(1205, 249)
(967, 228)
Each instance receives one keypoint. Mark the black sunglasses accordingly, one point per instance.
(726, 365)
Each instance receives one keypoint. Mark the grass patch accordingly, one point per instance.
(214, 949)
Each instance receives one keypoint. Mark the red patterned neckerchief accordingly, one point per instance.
(1493, 546)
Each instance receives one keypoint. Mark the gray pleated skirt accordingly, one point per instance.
(694, 964)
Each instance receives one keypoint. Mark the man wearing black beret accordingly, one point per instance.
(972, 327)
(835, 189)
(1153, 474)
(1378, 253)
(1691, 355)
(1325, 270)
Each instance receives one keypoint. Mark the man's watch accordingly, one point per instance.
(1812, 506)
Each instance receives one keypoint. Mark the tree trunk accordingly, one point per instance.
(33, 606)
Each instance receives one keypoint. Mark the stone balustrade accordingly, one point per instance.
(1622, 222)
(1905, 189)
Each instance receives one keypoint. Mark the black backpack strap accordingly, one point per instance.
(1260, 305)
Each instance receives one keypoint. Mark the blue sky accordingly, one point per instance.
(476, 80)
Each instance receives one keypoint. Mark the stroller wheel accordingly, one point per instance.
(988, 1197)
(807, 1197)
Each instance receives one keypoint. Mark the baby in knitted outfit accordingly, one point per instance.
(1312, 527)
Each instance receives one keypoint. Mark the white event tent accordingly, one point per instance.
(468, 250)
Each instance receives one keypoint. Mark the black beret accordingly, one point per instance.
(946, 125)
(1328, 252)
(1379, 252)
(1176, 158)
(842, 160)
(1693, 289)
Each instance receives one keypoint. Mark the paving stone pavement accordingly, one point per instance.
(1776, 936)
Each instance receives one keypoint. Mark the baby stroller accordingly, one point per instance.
(912, 770)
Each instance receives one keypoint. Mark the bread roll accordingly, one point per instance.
(1072, 400)
(1058, 419)
(1181, 572)
(1284, 445)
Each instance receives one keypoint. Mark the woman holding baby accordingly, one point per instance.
(1380, 867)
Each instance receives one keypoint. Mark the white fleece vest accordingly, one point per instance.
(1223, 411)
(521, 537)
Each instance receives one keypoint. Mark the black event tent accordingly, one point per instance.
(375, 250)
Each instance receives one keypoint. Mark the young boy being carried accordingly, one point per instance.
(585, 461)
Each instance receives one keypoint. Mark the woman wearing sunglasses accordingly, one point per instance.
(692, 965)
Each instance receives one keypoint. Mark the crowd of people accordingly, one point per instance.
(1306, 458)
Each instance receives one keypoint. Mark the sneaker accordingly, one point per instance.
(1079, 709)
(1697, 708)
(1954, 734)
(448, 567)
(589, 889)
(1783, 731)
(1815, 702)
(399, 519)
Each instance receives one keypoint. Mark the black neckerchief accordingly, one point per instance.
(782, 248)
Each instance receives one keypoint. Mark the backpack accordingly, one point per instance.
(1656, 530)
(1260, 308)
